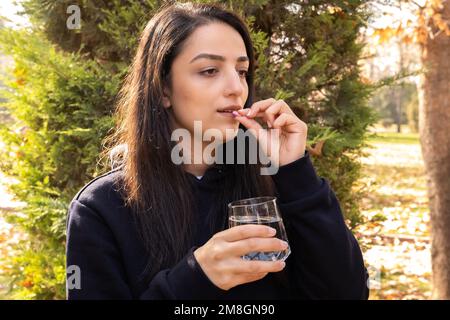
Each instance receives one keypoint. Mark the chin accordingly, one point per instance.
(231, 128)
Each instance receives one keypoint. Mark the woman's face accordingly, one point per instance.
(203, 85)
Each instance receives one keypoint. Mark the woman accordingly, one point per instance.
(154, 229)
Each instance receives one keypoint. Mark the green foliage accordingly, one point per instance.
(412, 110)
(307, 55)
(387, 99)
(62, 105)
(63, 85)
(38, 270)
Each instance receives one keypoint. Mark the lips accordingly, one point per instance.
(230, 109)
(227, 114)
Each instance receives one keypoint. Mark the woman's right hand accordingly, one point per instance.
(220, 257)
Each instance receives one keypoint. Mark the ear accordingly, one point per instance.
(166, 98)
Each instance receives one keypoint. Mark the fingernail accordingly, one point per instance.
(283, 264)
(284, 244)
(249, 112)
(272, 231)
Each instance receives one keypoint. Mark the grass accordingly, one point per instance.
(393, 137)
(397, 247)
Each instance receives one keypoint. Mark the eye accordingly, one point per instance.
(208, 72)
(244, 73)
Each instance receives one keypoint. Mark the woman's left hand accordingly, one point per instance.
(291, 133)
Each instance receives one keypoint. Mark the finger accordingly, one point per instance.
(268, 112)
(249, 123)
(247, 278)
(243, 112)
(282, 107)
(257, 131)
(250, 277)
(275, 110)
(242, 247)
(256, 266)
(257, 107)
(262, 115)
(260, 106)
(261, 275)
(246, 231)
(289, 123)
(269, 115)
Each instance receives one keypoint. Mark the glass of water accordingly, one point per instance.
(260, 210)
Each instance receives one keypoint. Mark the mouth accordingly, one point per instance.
(226, 113)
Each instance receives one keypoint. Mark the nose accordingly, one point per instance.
(234, 83)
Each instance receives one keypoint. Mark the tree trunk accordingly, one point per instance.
(434, 126)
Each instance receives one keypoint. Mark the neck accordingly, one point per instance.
(197, 167)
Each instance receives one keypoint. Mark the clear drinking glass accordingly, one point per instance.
(260, 210)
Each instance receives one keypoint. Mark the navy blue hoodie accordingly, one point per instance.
(325, 262)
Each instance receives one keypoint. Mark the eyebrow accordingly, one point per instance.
(216, 57)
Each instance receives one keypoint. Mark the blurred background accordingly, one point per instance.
(370, 78)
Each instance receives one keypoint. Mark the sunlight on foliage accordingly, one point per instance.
(395, 240)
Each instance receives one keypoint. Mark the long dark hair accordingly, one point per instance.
(158, 191)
